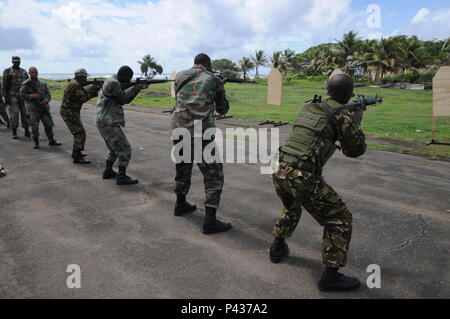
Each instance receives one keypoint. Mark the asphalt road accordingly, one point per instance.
(128, 244)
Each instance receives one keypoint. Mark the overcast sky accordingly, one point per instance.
(60, 36)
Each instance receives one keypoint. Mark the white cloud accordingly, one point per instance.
(429, 25)
(421, 15)
(102, 36)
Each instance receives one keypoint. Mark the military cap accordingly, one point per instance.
(81, 72)
(16, 58)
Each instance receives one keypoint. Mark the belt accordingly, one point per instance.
(299, 164)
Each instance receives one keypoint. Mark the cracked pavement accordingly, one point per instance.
(129, 245)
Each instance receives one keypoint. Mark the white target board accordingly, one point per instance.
(275, 88)
(173, 76)
(441, 92)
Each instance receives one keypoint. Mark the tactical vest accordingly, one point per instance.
(308, 148)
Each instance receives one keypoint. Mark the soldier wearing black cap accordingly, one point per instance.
(13, 78)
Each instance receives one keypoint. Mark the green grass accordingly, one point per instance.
(404, 116)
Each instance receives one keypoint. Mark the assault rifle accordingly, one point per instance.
(228, 79)
(360, 104)
(93, 82)
(144, 82)
(126, 85)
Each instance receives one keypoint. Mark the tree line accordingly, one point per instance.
(377, 59)
(397, 57)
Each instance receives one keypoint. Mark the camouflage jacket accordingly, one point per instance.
(12, 80)
(30, 87)
(199, 94)
(351, 138)
(75, 96)
(111, 101)
(340, 128)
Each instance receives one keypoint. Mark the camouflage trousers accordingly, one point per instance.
(36, 116)
(117, 143)
(76, 128)
(298, 188)
(3, 112)
(17, 107)
(212, 175)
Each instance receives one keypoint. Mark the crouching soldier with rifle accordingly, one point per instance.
(299, 180)
(37, 97)
(75, 95)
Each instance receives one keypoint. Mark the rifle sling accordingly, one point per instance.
(186, 82)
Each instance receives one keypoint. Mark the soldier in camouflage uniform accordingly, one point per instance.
(37, 97)
(13, 78)
(74, 97)
(299, 180)
(3, 112)
(199, 94)
(111, 119)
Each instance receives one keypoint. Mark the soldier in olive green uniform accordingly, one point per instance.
(199, 94)
(111, 120)
(299, 180)
(13, 78)
(74, 97)
(37, 97)
(3, 112)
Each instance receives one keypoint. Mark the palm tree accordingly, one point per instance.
(150, 66)
(443, 56)
(245, 65)
(382, 58)
(289, 60)
(312, 60)
(276, 60)
(349, 45)
(260, 59)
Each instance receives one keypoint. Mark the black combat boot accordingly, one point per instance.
(82, 154)
(279, 250)
(78, 153)
(109, 173)
(212, 225)
(27, 132)
(14, 134)
(53, 142)
(79, 159)
(123, 179)
(183, 207)
(2, 171)
(332, 281)
(36, 143)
